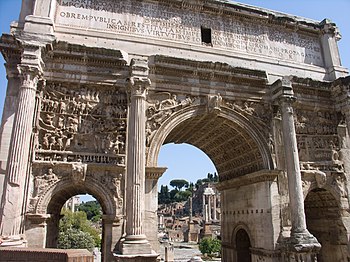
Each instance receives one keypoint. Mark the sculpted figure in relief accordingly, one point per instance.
(335, 153)
(79, 172)
(214, 102)
(339, 183)
(42, 181)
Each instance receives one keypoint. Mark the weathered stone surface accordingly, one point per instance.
(97, 87)
(40, 254)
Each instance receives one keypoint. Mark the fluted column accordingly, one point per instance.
(204, 209)
(214, 206)
(300, 238)
(17, 163)
(135, 241)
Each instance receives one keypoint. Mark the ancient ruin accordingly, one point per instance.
(95, 88)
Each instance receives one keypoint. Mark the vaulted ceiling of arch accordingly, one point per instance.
(321, 204)
(231, 149)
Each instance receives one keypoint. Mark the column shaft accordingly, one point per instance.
(204, 209)
(209, 208)
(214, 205)
(293, 169)
(136, 166)
(17, 163)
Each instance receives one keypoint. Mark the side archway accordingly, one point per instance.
(51, 202)
(241, 243)
(325, 220)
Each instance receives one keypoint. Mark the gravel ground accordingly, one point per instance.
(183, 252)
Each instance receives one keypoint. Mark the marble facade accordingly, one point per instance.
(95, 88)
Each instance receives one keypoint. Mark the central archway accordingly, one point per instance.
(238, 148)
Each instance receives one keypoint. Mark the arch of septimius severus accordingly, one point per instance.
(96, 87)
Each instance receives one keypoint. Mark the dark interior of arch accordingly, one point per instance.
(59, 198)
(323, 219)
(232, 150)
(243, 246)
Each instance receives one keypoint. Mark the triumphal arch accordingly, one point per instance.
(96, 87)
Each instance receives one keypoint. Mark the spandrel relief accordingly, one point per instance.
(86, 122)
(43, 181)
(340, 184)
(161, 106)
(261, 114)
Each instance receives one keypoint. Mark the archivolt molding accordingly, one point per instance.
(241, 225)
(55, 184)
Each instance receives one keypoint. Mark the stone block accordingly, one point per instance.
(44, 255)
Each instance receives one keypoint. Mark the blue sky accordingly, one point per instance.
(184, 161)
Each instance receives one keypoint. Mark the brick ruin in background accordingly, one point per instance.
(95, 88)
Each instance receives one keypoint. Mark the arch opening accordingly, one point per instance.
(324, 221)
(58, 199)
(243, 246)
(184, 161)
(180, 214)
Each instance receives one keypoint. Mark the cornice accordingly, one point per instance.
(205, 70)
(155, 172)
(81, 54)
(253, 178)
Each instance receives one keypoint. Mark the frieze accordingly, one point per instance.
(164, 22)
(316, 123)
(318, 148)
(86, 123)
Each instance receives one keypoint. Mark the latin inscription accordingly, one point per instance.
(152, 20)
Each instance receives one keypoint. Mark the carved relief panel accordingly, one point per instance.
(317, 135)
(83, 123)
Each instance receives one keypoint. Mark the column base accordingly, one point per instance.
(136, 245)
(300, 247)
(13, 241)
(303, 242)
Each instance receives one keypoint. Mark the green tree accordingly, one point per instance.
(182, 195)
(92, 209)
(199, 183)
(74, 238)
(75, 222)
(179, 183)
(210, 246)
(173, 195)
(164, 195)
